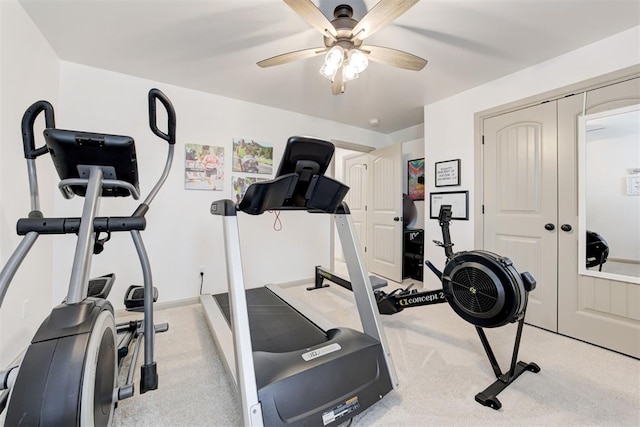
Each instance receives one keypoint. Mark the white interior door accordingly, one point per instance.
(384, 235)
(520, 200)
(597, 310)
(355, 169)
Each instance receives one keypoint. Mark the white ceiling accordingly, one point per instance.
(213, 46)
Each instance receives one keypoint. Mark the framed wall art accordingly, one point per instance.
(251, 156)
(203, 167)
(448, 173)
(459, 201)
(415, 179)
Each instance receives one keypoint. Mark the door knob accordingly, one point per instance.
(397, 218)
(549, 227)
(565, 227)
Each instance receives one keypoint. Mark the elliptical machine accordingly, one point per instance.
(69, 374)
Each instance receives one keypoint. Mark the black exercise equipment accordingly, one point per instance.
(322, 274)
(483, 288)
(127, 332)
(487, 291)
(290, 367)
(69, 373)
(409, 211)
(597, 250)
(388, 303)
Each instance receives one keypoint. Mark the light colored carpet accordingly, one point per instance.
(440, 365)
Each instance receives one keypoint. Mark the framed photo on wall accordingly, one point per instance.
(415, 179)
(448, 173)
(459, 201)
(252, 156)
(203, 167)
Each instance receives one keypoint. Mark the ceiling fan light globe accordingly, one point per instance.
(328, 71)
(335, 56)
(358, 60)
(349, 73)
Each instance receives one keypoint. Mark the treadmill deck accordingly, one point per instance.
(275, 326)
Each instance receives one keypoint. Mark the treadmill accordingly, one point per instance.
(289, 365)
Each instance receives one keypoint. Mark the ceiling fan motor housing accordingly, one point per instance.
(485, 289)
(344, 24)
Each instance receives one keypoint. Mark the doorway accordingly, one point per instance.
(377, 181)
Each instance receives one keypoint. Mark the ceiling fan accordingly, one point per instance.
(346, 56)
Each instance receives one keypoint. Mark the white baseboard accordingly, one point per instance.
(163, 305)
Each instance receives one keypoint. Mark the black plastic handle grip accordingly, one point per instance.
(28, 119)
(156, 94)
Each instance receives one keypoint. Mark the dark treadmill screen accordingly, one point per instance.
(275, 326)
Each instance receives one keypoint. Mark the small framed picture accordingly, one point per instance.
(448, 173)
(459, 201)
(415, 179)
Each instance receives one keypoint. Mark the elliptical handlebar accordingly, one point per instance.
(156, 94)
(170, 137)
(30, 150)
(28, 119)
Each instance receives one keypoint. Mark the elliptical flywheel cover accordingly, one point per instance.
(484, 289)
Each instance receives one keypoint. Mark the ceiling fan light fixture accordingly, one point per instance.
(335, 56)
(349, 72)
(358, 60)
(343, 38)
(328, 71)
(332, 62)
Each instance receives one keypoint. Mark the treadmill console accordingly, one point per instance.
(300, 182)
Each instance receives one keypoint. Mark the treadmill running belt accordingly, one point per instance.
(275, 326)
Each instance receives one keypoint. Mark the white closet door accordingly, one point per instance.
(600, 311)
(520, 200)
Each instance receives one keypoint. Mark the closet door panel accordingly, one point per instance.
(597, 310)
(520, 200)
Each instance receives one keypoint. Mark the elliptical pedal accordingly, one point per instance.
(99, 287)
(134, 297)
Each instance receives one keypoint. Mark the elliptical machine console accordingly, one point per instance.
(69, 374)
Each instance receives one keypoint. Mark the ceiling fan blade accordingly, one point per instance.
(396, 58)
(307, 10)
(337, 85)
(292, 56)
(380, 15)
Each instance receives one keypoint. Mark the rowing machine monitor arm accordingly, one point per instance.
(444, 218)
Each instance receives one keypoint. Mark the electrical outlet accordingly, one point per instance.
(201, 270)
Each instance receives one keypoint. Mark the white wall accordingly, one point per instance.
(449, 124)
(28, 73)
(409, 134)
(181, 234)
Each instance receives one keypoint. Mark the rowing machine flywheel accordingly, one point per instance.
(485, 289)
